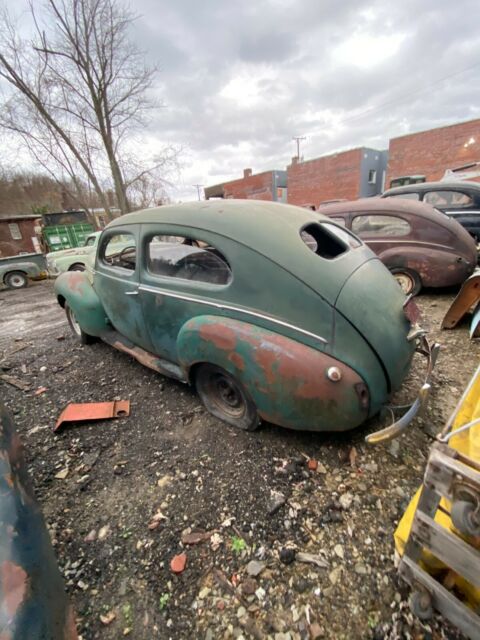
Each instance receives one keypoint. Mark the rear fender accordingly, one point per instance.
(286, 379)
(436, 267)
(74, 288)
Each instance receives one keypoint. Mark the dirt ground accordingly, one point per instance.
(100, 486)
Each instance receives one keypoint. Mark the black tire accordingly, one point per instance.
(76, 329)
(421, 605)
(78, 266)
(16, 280)
(461, 513)
(225, 397)
(408, 280)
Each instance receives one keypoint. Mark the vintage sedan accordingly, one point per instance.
(272, 311)
(459, 199)
(420, 245)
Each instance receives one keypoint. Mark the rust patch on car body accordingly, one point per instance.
(222, 336)
(14, 582)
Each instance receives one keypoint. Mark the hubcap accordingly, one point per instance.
(226, 395)
(404, 281)
(16, 281)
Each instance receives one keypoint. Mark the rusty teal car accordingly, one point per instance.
(271, 311)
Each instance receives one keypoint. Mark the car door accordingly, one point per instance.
(116, 281)
(180, 276)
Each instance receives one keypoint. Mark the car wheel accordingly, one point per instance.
(16, 280)
(421, 605)
(225, 397)
(408, 280)
(75, 326)
(78, 266)
(463, 514)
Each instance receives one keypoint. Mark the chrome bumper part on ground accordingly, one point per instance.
(411, 410)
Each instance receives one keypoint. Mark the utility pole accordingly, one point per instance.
(198, 187)
(297, 140)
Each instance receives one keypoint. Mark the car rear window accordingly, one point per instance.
(405, 196)
(322, 241)
(342, 234)
(448, 199)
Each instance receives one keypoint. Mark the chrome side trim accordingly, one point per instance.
(218, 305)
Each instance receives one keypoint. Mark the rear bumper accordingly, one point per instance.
(410, 411)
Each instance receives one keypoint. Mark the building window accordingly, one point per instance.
(188, 259)
(372, 176)
(371, 226)
(15, 231)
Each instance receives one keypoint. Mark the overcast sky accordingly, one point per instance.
(239, 79)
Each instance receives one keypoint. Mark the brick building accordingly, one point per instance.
(348, 175)
(431, 153)
(269, 185)
(19, 234)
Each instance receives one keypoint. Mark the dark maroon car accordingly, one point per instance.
(420, 245)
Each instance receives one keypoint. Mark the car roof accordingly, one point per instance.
(384, 205)
(268, 228)
(446, 185)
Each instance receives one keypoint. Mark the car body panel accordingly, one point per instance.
(75, 288)
(284, 303)
(33, 603)
(436, 247)
(277, 371)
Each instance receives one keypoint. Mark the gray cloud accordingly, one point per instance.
(239, 79)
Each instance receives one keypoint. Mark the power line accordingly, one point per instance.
(404, 98)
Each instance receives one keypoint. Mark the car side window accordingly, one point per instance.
(120, 251)
(187, 258)
(448, 199)
(340, 221)
(90, 241)
(372, 226)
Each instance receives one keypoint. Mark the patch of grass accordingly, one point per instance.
(238, 544)
(127, 613)
(163, 601)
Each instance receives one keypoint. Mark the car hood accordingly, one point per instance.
(380, 317)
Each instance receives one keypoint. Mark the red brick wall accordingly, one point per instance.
(431, 152)
(254, 187)
(10, 247)
(326, 178)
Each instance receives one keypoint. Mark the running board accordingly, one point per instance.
(165, 367)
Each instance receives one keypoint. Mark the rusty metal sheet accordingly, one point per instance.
(468, 295)
(87, 411)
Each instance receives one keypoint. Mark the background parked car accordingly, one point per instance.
(79, 258)
(15, 271)
(420, 245)
(458, 199)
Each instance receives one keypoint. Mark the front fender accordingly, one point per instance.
(74, 288)
(286, 379)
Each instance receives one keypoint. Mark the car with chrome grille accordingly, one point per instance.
(273, 312)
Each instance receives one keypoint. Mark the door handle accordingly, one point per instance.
(131, 293)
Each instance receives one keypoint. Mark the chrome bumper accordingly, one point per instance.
(410, 410)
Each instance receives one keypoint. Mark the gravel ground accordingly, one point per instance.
(123, 497)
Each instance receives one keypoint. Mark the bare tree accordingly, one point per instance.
(79, 96)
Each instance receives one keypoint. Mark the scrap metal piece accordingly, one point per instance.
(87, 411)
(15, 382)
(468, 295)
(400, 425)
(475, 324)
